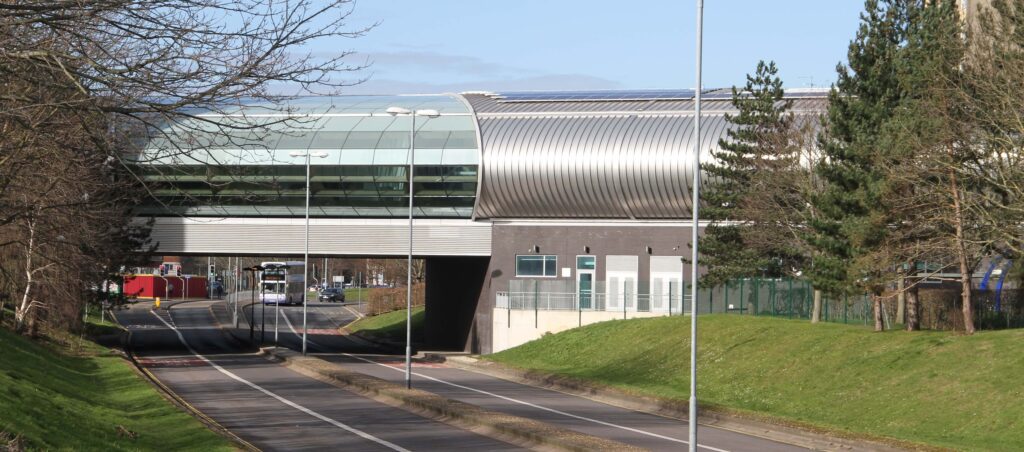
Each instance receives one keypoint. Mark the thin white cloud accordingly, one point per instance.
(438, 62)
(541, 82)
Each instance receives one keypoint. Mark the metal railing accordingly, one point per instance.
(775, 297)
(563, 295)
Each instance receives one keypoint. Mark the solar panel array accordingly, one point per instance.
(575, 96)
(633, 95)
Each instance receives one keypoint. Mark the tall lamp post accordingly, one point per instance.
(305, 256)
(694, 238)
(397, 111)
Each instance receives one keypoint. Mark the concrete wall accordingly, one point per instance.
(515, 327)
(327, 236)
(567, 240)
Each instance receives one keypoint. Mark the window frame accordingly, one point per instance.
(543, 265)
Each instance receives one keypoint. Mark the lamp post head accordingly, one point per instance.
(430, 113)
(395, 111)
(320, 154)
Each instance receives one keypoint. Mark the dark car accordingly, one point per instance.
(332, 294)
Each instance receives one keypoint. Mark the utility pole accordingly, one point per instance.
(692, 417)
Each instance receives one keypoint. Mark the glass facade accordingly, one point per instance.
(221, 171)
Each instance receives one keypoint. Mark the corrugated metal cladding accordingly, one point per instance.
(594, 159)
(339, 237)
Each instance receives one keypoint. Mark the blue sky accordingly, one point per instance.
(422, 46)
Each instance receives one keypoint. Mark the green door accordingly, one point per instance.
(585, 289)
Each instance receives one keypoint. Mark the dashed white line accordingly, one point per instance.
(283, 400)
(539, 407)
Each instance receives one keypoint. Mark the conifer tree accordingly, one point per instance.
(752, 196)
(852, 220)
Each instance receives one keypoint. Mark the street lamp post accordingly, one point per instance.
(694, 238)
(305, 256)
(396, 111)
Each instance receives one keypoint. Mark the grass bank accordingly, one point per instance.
(390, 325)
(937, 388)
(87, 398)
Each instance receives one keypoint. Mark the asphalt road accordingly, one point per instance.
(271, 406)
(323, 321)
(564, 410)
(276, 408)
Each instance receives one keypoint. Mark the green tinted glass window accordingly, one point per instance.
(536, 265)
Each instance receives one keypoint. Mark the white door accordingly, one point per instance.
(666, 283)
(621, 274)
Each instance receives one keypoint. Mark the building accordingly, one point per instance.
(584, 196)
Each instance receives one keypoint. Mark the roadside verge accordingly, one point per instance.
(173, 397)
(522, 429)
(790, 434)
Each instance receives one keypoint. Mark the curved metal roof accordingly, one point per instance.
(596, 158)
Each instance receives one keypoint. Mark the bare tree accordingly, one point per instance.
(90, 89)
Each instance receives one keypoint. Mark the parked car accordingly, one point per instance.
(332, 295)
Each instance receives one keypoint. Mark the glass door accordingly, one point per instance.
(585, 266)
(585, 288)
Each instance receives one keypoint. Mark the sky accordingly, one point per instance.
(433, 46)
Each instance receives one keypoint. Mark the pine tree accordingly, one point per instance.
(755, 150)
(852, 220)
(934, 166)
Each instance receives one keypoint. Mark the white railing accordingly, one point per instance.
(567, 301)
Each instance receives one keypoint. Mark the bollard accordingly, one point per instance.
(156, 303)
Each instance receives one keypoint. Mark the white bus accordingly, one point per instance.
(282, 284)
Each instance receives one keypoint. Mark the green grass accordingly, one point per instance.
(56, 400)
(390, 325)
(359, 293)
(937, 388)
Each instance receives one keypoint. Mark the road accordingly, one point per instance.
(268, 405)
(276, 408)
(564, 410)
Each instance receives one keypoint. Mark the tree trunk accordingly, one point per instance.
(876, 300)
(21, 311)
(913, 307)
(901, 300)
(961, 251)
(816, 311)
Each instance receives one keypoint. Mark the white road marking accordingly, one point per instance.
(552, 410)
(539, 407)
(301, 408)
(358, 314)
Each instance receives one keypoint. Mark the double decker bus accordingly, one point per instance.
(281, 282)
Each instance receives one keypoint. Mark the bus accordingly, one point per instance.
(281, 282)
